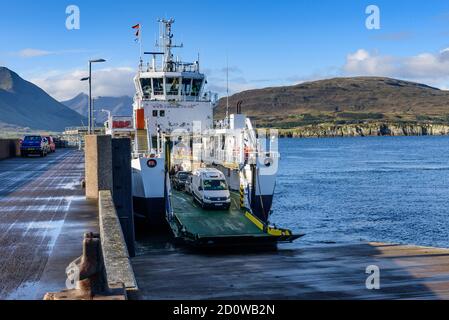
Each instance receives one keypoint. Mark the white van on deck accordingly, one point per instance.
(210, 189)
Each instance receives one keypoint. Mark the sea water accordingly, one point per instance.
(383, 189)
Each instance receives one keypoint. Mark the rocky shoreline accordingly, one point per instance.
(366, 130)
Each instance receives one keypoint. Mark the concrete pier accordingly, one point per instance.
(117, 266)
(9, 148)
(43, 216)
(294, 271)
(122, 189)
(98, 165)
(108, 168)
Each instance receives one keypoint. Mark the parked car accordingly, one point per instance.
(210, 189)
(188, 185)
(51, 144)
(60, 143)
(179, 180)
(37, 145)
(47, 146)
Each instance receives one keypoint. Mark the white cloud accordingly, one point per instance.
(31, 53)
(430, 68)
(111, 82)
(115, 82)
(364, 63)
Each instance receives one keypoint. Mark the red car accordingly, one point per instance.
(51, 144)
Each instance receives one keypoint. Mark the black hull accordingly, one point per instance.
(152, 210)
(261, 207)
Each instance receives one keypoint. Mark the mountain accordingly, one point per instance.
(342, 102)
(24, 105)
(120, 106)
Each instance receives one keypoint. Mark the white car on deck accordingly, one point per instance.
(210, 189)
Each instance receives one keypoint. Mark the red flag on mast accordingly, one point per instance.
(137, 28)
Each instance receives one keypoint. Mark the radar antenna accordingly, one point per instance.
(167, 43)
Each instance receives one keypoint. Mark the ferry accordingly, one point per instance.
(173, 129)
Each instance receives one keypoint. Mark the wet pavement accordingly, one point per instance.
(294, 271)
(43, 216)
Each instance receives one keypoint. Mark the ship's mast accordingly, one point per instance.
(227, 90)
(167, 43)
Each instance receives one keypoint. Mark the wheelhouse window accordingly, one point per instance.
(196, 87)
(155, 113)
(158, 84)
(172, 86)
(186, 86)
(146, 87)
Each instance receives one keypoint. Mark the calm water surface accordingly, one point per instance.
(392, 189)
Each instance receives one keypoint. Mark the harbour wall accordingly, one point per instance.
(116, 258)
(108, 168)
(9, 148)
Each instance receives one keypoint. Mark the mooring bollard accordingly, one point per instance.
(84, 275)
(90, 282)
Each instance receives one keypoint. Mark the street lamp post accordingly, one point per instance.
(92, 117)
(90, 111)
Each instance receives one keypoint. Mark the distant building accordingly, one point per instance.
(75, 135)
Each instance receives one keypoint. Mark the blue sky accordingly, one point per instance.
(268, 43)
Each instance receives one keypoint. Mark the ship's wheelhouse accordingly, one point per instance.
(172, 86)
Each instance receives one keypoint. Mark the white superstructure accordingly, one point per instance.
(174, 128)
(171, 91)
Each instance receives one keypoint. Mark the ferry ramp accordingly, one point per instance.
(199, 226)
